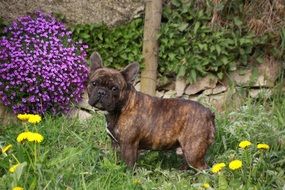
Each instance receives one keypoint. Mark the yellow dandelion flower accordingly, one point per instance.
(13, 168)
(34, 119)
(30, 136)
(206, 185)
(35, 137)
(136, 182)
(18, 188)
(23, 136)
(244, 144)
(24, 117)
(263, 146)
(235, 164)
(6, 148)
(31, 118)
(218, 167)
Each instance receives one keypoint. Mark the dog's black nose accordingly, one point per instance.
(101, 92)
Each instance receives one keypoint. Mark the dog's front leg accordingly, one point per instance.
(129, 153)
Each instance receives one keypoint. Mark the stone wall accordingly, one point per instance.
(111, 12)
(256, 80)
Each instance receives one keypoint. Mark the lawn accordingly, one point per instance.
(78, 155)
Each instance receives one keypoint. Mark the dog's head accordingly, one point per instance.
(108, 88)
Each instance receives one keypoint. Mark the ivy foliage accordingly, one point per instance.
(118, 46)
(190, 46)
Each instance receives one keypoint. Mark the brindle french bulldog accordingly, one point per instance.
(138, 121)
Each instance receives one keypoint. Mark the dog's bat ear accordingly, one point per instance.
(96, 62)
(130, 72)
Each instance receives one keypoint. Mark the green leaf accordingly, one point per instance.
(196, 27)
(220, 75)
(19, 170)
(181, 50)
(176, 3)
(181, 72)
(100, 36)
(260, 59)
(171, 56)
(33, 184)
(223, 184)
(85, 36)
(189, 17)
(244, 41)
(193, 75)
(225, 60)
(237, 21)
(183, 27)
(218, 49)
(200, 46)
(200, 14)
(203, 46)
(124, 56)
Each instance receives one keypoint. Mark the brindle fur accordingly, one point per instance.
(139, 121)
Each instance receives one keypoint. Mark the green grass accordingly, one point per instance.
(78, 155)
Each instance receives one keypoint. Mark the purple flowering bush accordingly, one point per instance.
(41, 68)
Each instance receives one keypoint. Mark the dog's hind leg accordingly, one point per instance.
(194, 152)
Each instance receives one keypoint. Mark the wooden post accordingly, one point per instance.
(153, 10)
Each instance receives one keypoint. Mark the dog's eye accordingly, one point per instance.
(94, 83)
(114, 88)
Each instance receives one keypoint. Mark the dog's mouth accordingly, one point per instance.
(93, 102)
(96, 103)
(99, 106)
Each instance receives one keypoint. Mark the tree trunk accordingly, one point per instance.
(153, 9)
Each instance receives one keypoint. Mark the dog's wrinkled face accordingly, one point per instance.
(108, 87)
(105, 89)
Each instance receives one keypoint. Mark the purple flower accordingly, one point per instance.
(41, 68)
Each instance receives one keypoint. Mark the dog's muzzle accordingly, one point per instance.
(96, 99)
